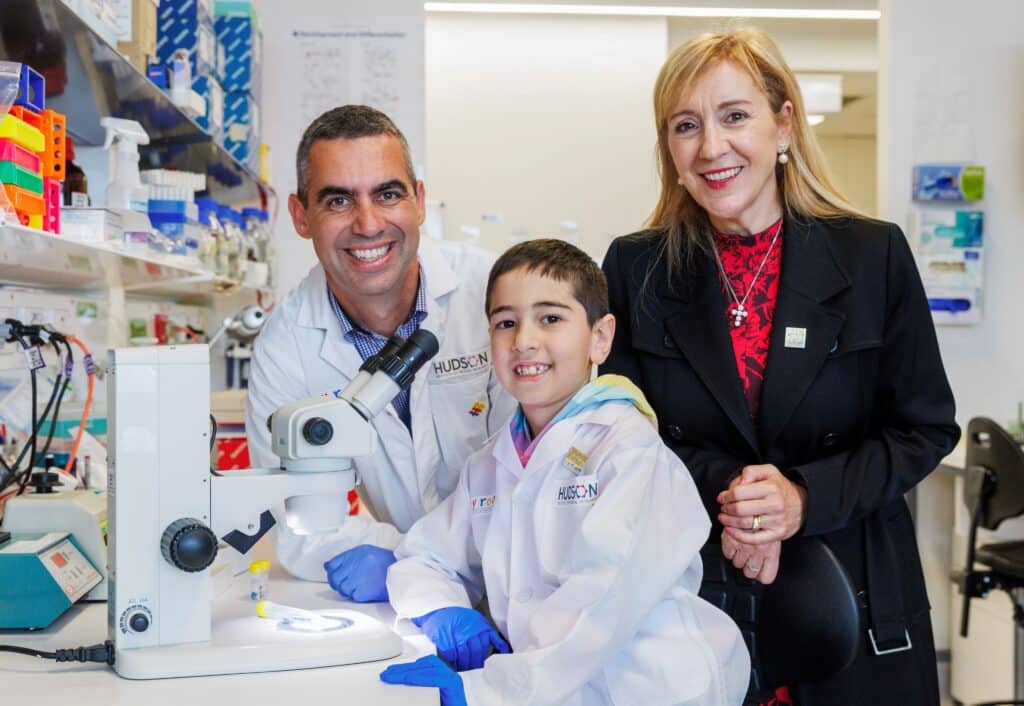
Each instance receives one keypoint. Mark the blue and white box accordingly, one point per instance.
(243, 53)
(213, 120)
(185, 11)
(196, 36)
(242, 127)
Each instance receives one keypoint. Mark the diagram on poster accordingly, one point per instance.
(349, 63)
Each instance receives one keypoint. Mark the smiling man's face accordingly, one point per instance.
(363, 215)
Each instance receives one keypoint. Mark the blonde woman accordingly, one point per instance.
(786, 345)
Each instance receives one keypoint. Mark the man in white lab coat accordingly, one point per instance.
(579, 524)
(360, 204)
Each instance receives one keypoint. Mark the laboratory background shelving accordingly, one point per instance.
(92, 80)
(87, 79)
(30, 257)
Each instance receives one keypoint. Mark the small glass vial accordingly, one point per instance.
(259, 577)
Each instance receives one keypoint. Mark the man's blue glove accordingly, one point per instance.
(428, 671)
(463, 636)
(360, 574)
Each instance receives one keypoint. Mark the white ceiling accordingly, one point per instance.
(759, 4)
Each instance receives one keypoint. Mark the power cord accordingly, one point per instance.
(93, 653)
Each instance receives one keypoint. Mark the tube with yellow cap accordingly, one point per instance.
(259, 578)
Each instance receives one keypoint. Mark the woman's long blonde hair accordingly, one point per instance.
(804, 183)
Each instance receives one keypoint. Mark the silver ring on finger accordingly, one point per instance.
(755, 524)
(754, 569)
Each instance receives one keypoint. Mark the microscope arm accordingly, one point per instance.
(238, 498)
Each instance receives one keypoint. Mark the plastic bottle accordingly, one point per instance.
(231, 222)
(126, 193)
(209, 214)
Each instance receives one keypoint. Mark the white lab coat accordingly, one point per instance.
(456, 401)
(592, 577)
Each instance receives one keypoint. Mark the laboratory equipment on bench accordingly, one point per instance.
(241, 330)
(167, 511)
(41, 576)
(80, 513)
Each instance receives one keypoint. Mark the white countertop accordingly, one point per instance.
(38, 682)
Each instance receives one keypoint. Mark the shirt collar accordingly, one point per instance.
(416, 316)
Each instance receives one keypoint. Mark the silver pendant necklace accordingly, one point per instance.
(739, 312)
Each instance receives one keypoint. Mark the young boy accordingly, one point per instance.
(580, 526)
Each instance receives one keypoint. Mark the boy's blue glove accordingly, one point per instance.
(463, 636)
(361, 573)
(428, 671)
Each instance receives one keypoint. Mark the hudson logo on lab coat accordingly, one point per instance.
(580, 491)
(461, 365)
(483, 503)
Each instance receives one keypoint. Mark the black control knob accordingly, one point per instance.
(189, 545)
(317, 431)
(138, 622)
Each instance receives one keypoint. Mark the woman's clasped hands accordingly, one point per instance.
(759, 510)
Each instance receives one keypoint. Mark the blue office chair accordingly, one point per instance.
(994, 492)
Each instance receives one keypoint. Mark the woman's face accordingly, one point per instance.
(724, 139)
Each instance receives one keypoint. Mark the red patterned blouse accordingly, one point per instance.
(742, 258)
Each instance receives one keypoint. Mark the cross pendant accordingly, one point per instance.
(738, 315)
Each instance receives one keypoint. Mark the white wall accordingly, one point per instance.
(950, 90)
(542, 119)
(808, 45)
(284, 112)
(853, 164)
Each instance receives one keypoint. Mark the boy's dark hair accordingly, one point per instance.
(561, 261)
(347, 122)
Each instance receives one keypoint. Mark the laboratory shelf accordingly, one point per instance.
(87, 79)
(34, 258)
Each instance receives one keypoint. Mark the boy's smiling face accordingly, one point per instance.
(542, 345)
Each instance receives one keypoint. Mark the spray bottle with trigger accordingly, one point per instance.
(126, 194)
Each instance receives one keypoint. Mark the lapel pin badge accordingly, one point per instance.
(574, 460)
(796, 337)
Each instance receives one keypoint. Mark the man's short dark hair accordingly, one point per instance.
(561, 261)
(346, 122)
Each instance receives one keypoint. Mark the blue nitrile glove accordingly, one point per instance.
(463, 636)
(361, 573)
(428, 671)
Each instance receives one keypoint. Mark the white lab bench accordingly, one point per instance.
(38, 682)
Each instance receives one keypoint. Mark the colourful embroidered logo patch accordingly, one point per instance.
(477, 408)
(483, 503)
(574, 460)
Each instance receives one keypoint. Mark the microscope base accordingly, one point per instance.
(242, 645)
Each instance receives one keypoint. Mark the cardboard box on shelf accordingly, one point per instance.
(137, 30)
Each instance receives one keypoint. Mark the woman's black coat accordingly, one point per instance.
(858, 414)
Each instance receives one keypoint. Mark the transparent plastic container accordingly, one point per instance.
(234, 239)
(216, 257)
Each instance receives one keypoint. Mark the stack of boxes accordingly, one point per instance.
(238, 31)
(225, 49)
(32, 155)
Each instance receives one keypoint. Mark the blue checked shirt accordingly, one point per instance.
(369, 343)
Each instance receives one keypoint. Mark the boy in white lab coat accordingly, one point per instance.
(581, 527)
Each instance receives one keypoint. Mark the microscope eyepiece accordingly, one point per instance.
(420, 347)
(373, 363)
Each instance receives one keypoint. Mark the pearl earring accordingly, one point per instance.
(783, 157)
(679, 181)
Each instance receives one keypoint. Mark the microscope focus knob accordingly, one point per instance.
(317, 431)
(189, 545)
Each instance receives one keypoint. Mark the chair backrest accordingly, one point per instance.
(992, 452)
